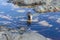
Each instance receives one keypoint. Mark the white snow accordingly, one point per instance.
(56, 28)
(6, 17)
(51, 17)
(45, 23)
(14, 7)
(21, 11)
(58, 20)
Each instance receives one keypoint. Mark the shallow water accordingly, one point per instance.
(12, 16)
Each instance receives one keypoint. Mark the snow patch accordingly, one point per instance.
(6, 17)
(5, 22)
(56, 28)
(20, 10)
(58, 20)
(45, 23)
(15, 6)
(51, 17)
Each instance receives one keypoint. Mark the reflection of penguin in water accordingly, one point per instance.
(29, 20)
